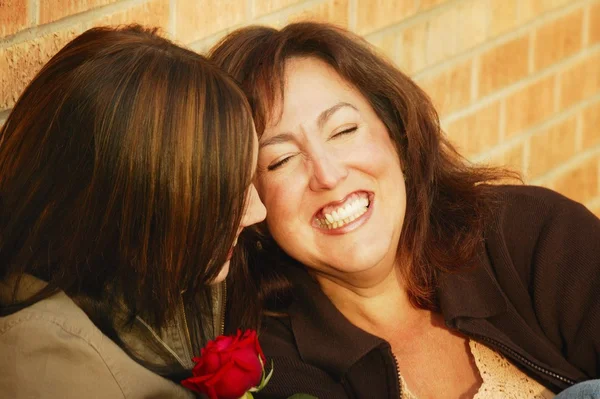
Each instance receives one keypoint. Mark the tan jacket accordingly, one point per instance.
(53, 350)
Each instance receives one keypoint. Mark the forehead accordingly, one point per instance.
(310, 86)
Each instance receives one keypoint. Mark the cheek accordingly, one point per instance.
(277, 200)
(383, 151)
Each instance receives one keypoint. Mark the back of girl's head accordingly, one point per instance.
(123, 168)
(446, 205)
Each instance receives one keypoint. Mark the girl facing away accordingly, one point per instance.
(125, 179)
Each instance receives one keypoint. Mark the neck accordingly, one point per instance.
(381, 308)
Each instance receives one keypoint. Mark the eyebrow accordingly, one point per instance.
(325, 115)
(322, 118)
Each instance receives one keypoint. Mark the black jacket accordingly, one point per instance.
(534, 297)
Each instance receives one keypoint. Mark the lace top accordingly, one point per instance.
(501, 379)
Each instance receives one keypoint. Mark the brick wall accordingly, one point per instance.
(516, 82)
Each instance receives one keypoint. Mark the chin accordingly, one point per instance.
(361, 257)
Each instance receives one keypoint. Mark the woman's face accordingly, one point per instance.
(329, 175)
(254, 212)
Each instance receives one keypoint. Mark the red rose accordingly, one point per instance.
(228, 366)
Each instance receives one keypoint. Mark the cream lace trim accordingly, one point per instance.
(501, 380)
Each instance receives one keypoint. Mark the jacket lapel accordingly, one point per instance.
(325, 338)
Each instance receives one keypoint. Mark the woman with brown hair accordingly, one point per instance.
(125, 179)
(388, 266)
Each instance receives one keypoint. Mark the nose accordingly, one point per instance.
(255, 210)
(327, 172)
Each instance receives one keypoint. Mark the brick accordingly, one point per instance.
(52, 10)
(441, 40)
(503, 65)
(372, 15)
(385, 45)
(472, 24)
(411, 55)
(332, 11)
(503, 16)
(530, 105)
(447, 34)
(552, 146)
(13, 16)
(195, 20)
(558, 39)
(580, 183)
(427, 4)
(450, 89)
(580, 81)
(510, 158)
(591, 126)
(531, 9)
(264, 7)
(153, 13)
(21, 61)
(594, 25)
(477, 131)
(5, 76)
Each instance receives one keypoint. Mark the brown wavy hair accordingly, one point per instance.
(446, 202)
(123, 172)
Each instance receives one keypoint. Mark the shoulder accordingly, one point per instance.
(534, 200)
(44, 318)
(54, 350)
(549, 243)
(552, 245)
(527, 216)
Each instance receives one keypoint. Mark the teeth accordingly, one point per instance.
(346, 214)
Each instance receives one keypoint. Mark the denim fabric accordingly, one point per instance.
(583, 390)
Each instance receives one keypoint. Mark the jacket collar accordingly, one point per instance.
(171, 339)
(326, 339)
(473, 292)
(323, 335)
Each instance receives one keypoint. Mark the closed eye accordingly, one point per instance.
(279, 163)
(345, 131)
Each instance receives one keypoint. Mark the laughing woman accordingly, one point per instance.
(389, 268)
(125, 179)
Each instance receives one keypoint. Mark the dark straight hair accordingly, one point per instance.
(123, 172)
(446, 203)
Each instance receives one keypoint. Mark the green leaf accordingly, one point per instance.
(268, 377)
(265, 379)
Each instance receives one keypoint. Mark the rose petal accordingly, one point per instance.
(222, 342)
(220, 374)
(210, 363)
(196, 386)
(235, 384)
(228, 366)
(250, 364)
